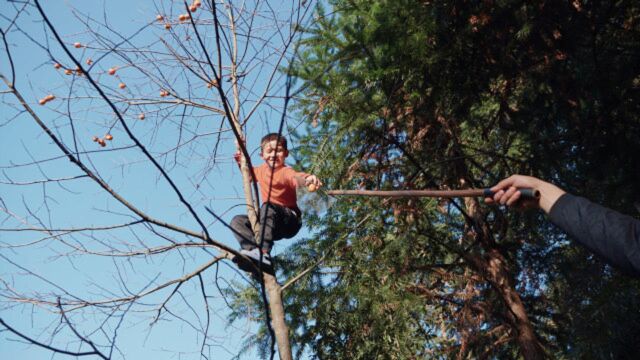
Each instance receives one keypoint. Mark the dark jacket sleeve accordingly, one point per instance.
(612, 236)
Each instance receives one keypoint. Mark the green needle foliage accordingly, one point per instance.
(438, 94)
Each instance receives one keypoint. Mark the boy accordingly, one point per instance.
(280, 216)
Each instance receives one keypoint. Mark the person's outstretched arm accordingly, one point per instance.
(611, 235)
(310, 181)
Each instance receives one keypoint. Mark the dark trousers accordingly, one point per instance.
(277, 222)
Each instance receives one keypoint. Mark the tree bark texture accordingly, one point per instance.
(495, 270)
(498, 276)
(278, 316)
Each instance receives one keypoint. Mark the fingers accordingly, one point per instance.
(497, 196)
(508, 197)
(518, 181)
(505, 183)
(512, 196)
(312, 183)
(313, 180)
(506, 192)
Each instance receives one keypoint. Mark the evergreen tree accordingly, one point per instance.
(435, 94)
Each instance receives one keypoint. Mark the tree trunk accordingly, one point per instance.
(495, 270)
(278, 316)
(530, 346)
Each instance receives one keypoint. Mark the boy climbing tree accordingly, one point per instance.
(280, 216)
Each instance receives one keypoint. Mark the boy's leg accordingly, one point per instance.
(268, 216)
(242, 231)
(278, 222)
(241, 227)
(288, 224)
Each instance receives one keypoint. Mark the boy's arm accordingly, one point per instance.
(237, 156)
(308, 180)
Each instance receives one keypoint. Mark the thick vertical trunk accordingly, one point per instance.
(278, 316)
(495, 270)
(530, 346)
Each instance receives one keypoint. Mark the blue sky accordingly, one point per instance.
(181, 137)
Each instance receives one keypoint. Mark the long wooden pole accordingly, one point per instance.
(525, 193)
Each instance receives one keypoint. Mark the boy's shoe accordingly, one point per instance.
(254, 254)
(252, 266)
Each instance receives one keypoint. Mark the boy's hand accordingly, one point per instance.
(312, 183)
(237, 156)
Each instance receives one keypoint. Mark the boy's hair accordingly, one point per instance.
(274, 136)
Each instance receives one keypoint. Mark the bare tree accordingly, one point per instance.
(118, 134)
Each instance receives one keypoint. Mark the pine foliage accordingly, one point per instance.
(437, 94)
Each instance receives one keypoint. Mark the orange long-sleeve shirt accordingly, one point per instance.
(283, 188)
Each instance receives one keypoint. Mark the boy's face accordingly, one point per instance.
(273, 154)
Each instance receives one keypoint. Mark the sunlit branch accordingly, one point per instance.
(43, 181)
(51, 348)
